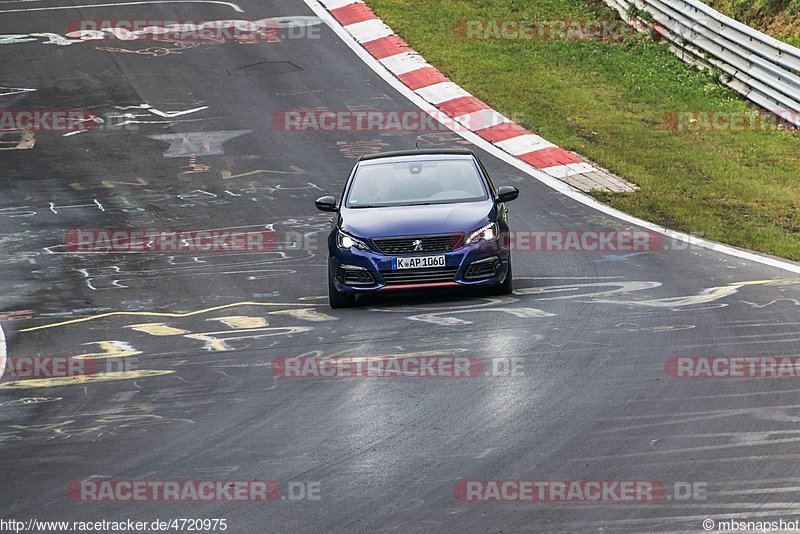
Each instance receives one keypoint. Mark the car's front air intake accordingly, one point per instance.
(420, 276)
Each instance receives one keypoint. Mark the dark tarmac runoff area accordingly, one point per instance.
(186, 407)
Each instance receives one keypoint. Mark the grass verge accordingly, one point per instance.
(778, 18)
(608, 102)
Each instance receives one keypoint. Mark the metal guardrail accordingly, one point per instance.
(763, 69)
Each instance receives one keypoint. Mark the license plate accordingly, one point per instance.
(420, 262)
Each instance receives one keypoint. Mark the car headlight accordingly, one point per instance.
(487, 233)
(346, 241)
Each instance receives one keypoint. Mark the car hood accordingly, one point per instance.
(416, 220)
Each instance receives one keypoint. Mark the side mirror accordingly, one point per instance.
(507, 193)
(326, 203)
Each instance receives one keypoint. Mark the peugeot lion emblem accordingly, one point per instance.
(417, 245)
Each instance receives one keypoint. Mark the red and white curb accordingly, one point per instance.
(557, 185)
(414, 72)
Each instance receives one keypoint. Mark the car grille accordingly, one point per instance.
(420, 276)
(406, 245)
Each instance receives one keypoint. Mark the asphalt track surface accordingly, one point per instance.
(198, 400)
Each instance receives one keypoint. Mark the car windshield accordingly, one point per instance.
(416, 182)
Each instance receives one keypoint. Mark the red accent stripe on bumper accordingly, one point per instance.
(418, 286)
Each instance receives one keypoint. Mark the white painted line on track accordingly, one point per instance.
(2, 351)
(553, 183)
(15, 91)
(145, 2)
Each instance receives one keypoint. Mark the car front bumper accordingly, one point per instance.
(358, 271)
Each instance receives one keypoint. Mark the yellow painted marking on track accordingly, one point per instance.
(110, 349)
(707, 295)
(44, 427)
(157, 314)
(212, 343)
(278, 330)
(110, 183)
(227, 175)
(26, 140)
(346, 355)
(216, 344)
(308, 314)
(81, 379)
(157, 329)
(241, 321)
(777, 282)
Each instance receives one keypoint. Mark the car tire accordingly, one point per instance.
(507, 287)
(337, 299)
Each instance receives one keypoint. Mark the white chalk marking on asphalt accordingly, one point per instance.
(14, 90)
(485, 453)
(229, 4)
(165, 114)
(553, 183)
(197, 143)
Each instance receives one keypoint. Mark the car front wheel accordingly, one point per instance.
(507, 287)
(337, 299)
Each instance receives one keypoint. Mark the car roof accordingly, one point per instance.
(410, 155)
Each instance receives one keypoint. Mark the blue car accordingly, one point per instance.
(418, 219)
